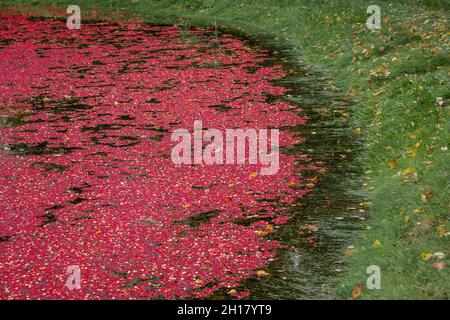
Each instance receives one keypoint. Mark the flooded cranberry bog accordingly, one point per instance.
(87, 179)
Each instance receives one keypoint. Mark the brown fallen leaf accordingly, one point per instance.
(426, 196)
(357, 291)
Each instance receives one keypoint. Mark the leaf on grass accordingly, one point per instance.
(439, 255)
(351, 250)
(439, 265)
(357, 291)
(407, 170)
(441, 230)
(414, 149)
(425, 256)
(392, 164)
(377, 243)
(426, 196)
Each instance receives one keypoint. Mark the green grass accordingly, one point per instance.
(395, 76)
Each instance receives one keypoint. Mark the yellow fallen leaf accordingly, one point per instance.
(232, 292)
(407, 170)
(253, 174)
(358, 131)
(441, 230)
(377, 243)
(425, 256)
(262, 273)
(392, 164)
(414, 150)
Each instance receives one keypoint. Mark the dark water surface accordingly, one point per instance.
(334, 211)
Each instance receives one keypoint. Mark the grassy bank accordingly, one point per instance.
(398, 77)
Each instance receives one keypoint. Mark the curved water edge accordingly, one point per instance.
(335, 205)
